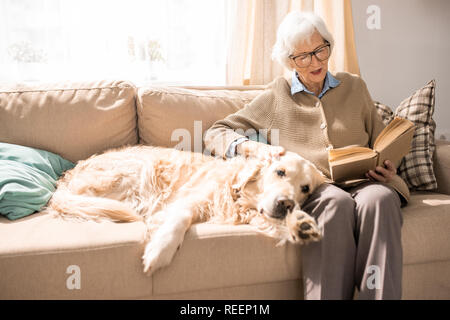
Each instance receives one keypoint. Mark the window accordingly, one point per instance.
(145, 41)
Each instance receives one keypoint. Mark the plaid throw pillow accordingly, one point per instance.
(417, 166)
(385, 112)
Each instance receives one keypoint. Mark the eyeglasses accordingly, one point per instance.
(304, 60)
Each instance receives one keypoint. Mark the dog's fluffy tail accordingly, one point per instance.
(66, 203)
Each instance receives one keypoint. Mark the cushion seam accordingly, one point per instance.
(68, 250)
(194, 95)
(224, 235)
(426, 262)
(225, 287)
(69, 89)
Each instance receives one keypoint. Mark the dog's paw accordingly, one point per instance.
(303, 228)
(150, 260)
(154, 259)
(159, 254)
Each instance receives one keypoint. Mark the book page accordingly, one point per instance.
(348, 153)
(353, 170)
(397, 149)
(351, 162)
(393, 131)
(354, 158)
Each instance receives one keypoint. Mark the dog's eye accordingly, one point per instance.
(305, 189)
(281, 172)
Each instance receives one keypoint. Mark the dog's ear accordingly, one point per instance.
(250, 173)
(318, 176)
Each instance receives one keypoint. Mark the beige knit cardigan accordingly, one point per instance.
(305, 124)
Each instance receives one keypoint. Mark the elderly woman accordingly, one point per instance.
(313, 112)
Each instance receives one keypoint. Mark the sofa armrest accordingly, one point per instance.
(442, 166)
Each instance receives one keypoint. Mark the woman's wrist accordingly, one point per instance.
(242, 148)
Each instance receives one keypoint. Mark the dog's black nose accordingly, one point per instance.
(282, 207)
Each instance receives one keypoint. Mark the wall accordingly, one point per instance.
(411, 47)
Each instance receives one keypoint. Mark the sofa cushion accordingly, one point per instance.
(36, 252)
(425, 233)
(442, 166)
(178, 117)
(39, 256)
(215, 256)
(74, 120)
(27, 179)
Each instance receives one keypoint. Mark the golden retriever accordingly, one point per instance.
(170, 190)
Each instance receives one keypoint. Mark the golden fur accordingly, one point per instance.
(170, 189)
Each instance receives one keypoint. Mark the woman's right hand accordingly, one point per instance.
(259, 150)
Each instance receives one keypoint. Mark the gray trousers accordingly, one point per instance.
(361, 245)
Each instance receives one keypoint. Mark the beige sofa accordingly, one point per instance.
(75, 120)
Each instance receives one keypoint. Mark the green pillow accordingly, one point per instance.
(27, 179)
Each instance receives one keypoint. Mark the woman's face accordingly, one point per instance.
(314, 74)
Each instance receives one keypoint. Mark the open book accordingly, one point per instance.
(393, 143)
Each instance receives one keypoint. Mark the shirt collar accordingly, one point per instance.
(297, 85)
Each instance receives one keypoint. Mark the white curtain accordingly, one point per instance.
(252, 26)
(170, 41)
(189, 42)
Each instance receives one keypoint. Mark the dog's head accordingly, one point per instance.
(276, 190)
(285, 184)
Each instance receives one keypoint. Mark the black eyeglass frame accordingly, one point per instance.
(327, 44)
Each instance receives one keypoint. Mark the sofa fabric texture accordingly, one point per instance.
(72, 120)
(172, 116)
(38, 252)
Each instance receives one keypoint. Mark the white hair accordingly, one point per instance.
(295, 28)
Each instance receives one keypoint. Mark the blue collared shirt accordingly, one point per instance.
(297, 85)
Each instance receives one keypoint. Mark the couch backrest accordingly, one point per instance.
(178, 117)
(74, 120)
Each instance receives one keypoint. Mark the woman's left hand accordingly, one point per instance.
(382, 174)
